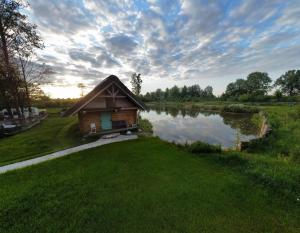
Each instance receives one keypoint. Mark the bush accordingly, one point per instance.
(145, 125)
(202, 147)
(240, 108)
(244, 98)
(258, 119)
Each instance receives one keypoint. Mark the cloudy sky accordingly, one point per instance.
(169, 42)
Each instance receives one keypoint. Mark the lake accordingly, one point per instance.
(181, 126)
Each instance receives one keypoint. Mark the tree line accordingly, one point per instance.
(186, 93)
(20, 74)
(258, 85)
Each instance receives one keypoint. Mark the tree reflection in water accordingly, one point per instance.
(188, 125)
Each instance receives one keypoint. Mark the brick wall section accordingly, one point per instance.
(85, 120)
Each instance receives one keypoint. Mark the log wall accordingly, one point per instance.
(85, 119)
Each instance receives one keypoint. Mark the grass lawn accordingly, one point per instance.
(53, 134)
(139, 186)
(283, 142)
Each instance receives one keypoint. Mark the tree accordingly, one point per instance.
(174, 93)
(258, 83)
(136, 82)
(184, 92)
(208, 91)
(167, 94)
(289, 83)
(278, 95)
(81, 86)
(194, 91)
(237, 88)
(159, 95)
(18, 38)
(33, 75)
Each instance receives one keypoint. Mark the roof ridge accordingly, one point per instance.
(92, 94)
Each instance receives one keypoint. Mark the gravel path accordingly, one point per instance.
(62, 153)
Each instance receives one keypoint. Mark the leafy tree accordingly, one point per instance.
(194, 91)
(159, 95)
(18, 39)
(258, 83)
(237, 88)
(208, 91)
(136, 82)
(278, 95)
(175, 92)
(167, 94)
(289, 83)
(184, 92)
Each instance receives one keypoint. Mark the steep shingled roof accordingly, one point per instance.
(101, 86)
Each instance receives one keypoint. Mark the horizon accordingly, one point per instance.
(168, 42)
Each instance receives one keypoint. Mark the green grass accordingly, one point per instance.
(273, 161)
(145, 125)
(283, 142)
(139, 186)
(53, 134)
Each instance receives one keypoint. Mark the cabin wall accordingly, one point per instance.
(107, 102)
(129, 116)
(98, 102)
(124, 103)
(85, 119)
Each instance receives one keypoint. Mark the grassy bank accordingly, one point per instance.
(209, 106)
(140, 186)
(53, 134)
(284, 119)
(272, 161)
(283, 142)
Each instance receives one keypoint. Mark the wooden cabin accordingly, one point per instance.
(109, 107)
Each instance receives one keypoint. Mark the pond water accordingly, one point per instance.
(181, 126)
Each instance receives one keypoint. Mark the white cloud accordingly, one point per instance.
(173, 41)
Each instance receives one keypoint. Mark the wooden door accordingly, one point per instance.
(106, 121)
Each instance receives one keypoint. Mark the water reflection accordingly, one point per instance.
(189, 125)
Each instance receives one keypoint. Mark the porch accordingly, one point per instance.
(105, 122)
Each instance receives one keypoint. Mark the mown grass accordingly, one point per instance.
(53, 134)
(273, 161)
(140, 186)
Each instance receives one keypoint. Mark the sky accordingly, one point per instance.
(175, 42)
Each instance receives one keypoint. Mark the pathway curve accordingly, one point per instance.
(62, 153)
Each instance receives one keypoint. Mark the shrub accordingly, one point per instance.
(240, 108)
(202, 147)
(258, 119)
(145, 125)
(244, 98)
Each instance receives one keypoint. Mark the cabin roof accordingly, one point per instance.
(98, 89)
